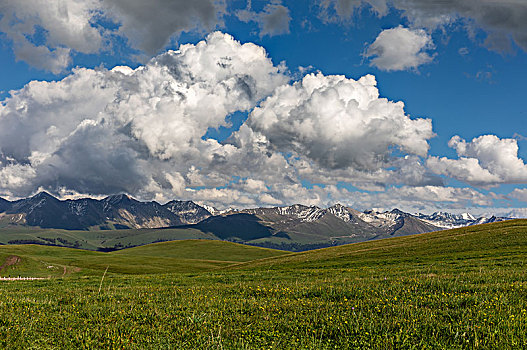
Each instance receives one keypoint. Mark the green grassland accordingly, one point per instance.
(175, 256)
(95, 240)
(457, 289)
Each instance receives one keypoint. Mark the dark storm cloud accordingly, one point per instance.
(149, 25)
(73, 26)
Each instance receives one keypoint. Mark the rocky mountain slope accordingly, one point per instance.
(299, 227)
(113, 212)
(335, 225)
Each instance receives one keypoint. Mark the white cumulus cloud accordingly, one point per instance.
(142, 131)
(485, 161)
(136, 131)
(400, 49)
(338, 123)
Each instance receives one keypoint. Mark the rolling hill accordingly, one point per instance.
(166, 257)
(498, 240)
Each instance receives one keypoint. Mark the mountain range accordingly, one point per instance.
(295, 227)
(113, 212)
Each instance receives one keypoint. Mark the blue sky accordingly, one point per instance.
(451, 63)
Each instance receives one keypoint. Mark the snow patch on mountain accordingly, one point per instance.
(341, 212)
(448, 220)
(376, 219)
(78, 208)
(302, 212)
(188, 212)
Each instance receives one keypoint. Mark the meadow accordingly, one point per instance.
(456, 289)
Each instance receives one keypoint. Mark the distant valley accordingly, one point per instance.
(120, 221)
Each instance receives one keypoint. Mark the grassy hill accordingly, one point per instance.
(166, 257)
(96, 240)
(457, 289)
(499, 242)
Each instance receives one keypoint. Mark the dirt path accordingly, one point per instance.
(10, 261)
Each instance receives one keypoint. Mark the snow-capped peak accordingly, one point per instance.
(302, 212)
(386, 219)
(210, 209)
(467, 216)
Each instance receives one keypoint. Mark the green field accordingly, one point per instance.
(94, 240)
(158, 258)
(457, 289)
